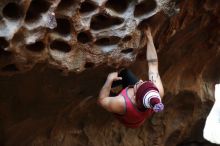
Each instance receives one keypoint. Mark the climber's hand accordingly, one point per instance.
(113, 77)
(148, 34)
(217, 91)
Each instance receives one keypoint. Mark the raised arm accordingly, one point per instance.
(211, 131)
(111, 104)
(152, 60)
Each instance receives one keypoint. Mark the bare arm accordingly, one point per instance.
(111, 104)
(152, 60)
(104, 92)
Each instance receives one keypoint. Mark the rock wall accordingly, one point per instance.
(71, 35)
(42, 39)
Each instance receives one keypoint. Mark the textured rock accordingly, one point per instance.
(71, 35)
(42, 107)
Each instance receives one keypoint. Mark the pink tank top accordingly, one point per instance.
(132, 118)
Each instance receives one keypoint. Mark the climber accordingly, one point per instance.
(211, 131)
(138, 99)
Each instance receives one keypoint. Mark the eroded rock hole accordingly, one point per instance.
(108, 41)
(144, 23)
(12, 11)
(145, 7)
(10, 68)
(36, 8)
(102, 21)
(89, 65)
(128, 50)
(84, 37)
(127, 38)
(117, 5)
(36, 47)
(63, 26)
(65, 4)
(60, 46)
(4, 44)
(87, 6)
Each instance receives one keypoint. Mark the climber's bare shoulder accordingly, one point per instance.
(114, 104)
